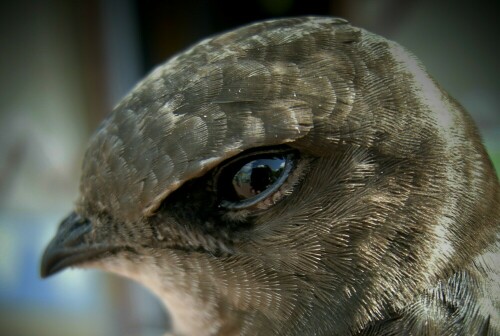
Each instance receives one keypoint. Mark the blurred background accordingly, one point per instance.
(64, 64)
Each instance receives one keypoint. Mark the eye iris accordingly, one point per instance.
(257, 176)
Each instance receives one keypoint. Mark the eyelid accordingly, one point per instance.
(270, 152)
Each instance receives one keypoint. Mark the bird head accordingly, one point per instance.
(291, 173)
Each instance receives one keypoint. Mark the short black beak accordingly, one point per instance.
(69, 246)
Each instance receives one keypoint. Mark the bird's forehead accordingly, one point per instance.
(201, 107)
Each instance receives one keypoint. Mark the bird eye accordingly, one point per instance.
(251, 179)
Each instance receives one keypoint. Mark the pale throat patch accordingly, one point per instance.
(189, 315)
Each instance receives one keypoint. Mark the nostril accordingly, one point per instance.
(73, 229)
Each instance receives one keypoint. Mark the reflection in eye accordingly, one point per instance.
(256, 176)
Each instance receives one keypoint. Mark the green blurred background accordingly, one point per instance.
(64, 64)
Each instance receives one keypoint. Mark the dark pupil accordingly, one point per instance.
(256, 176)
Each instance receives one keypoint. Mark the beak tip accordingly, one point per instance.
(44, 273)
(47, 265)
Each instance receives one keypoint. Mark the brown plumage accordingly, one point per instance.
(379, 211)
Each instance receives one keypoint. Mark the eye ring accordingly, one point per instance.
(250, 179)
